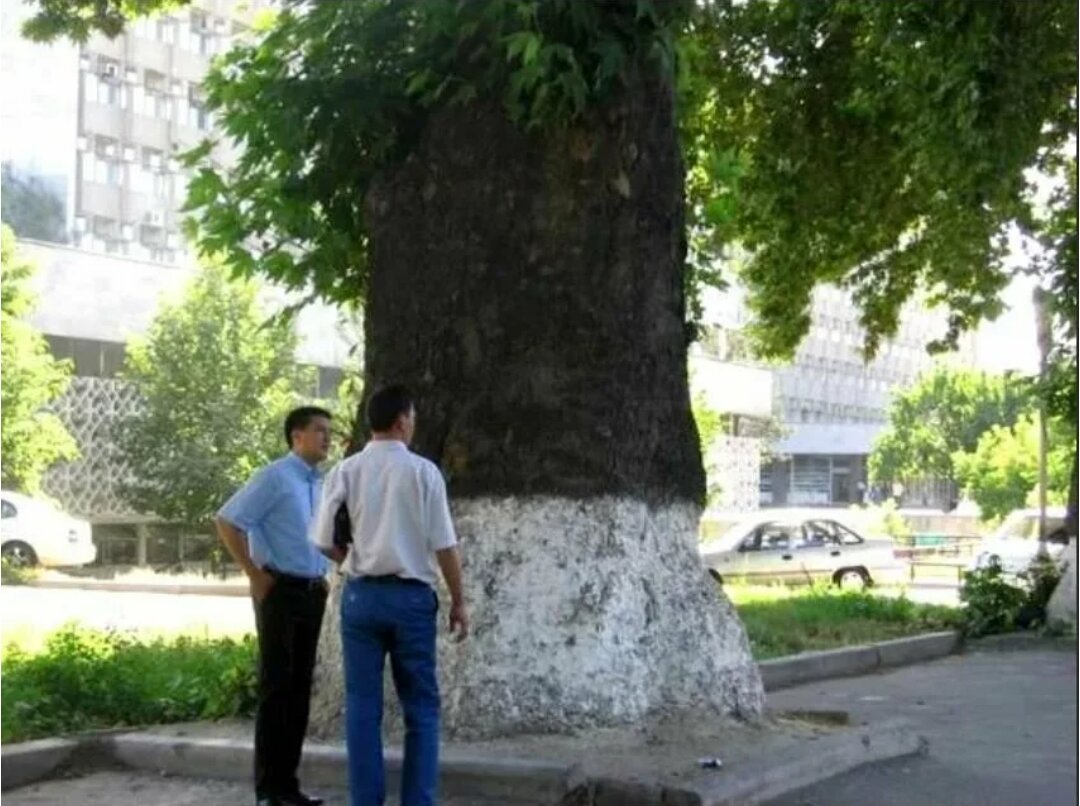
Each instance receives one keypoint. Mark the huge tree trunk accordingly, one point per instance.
(529, 288)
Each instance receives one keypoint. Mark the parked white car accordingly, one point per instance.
(801, 550)
(35, 532)
(1016, 542)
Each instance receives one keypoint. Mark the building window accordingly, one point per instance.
(810, 480)
(198, 116)
(165, 30)
(103, 164)
(200, 36)
(92, 358)
(152, 100)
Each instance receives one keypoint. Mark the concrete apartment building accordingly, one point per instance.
(829, 403)
(98, 134)
(834, 404)
(103, 126)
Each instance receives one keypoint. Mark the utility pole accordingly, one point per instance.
(1042, 325)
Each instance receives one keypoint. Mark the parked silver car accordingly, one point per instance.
(801, 551)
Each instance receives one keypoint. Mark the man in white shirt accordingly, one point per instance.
(401, 528)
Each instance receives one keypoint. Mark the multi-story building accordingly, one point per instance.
(103, 127)
(834, 403)
(91, 138)
(829, 402)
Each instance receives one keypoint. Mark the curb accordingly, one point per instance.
(141, 587)
(834, 755)
(506, 780)
(808, 667)
(26, 762)
(325, 765)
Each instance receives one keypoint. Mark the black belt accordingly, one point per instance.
(306, 583)
(392, 579)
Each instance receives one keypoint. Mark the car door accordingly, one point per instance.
(772, 556)
(820, 553)
(730, 563)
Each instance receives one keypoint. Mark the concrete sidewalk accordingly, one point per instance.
(1001, 721)
(636, 766)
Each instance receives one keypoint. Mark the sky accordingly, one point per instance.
(1009, 342)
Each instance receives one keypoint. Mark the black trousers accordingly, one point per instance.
(288, 622)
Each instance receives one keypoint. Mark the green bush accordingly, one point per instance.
(84, 679)
(13, 573)
(997, 605)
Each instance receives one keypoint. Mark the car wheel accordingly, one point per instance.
(18, 554)
(716, 576)
(855, 579)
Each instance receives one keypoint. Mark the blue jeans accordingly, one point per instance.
(377, 619)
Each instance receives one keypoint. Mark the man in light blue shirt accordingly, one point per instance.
(264, 526)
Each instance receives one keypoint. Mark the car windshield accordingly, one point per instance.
(732, 536)
(1025, 526)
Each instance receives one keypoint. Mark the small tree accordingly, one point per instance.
(944, 413)
(30, 207)
(33, 439)
(216, 379)
(1002, 473)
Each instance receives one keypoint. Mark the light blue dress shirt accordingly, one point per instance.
(274, 510)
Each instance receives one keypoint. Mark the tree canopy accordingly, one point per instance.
(1002, 472)
(216, 380)
(880, 146)
(31, 208)
(944, 413)
(32, 438)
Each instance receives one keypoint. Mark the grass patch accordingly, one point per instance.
(785, 621)
(85, 679)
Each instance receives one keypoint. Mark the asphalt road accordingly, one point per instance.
(1002, 727)
(28, 614)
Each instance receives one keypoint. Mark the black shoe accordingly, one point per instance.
(299, 799)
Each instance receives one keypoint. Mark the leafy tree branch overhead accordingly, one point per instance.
(881, 146)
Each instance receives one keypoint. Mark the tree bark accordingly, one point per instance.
(529, 288)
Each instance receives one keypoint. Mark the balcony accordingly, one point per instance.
(103, 120)
(99, 199)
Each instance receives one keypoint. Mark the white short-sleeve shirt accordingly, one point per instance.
(398, 508)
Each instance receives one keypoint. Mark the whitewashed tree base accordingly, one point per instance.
(584, 614)
(1063, 602)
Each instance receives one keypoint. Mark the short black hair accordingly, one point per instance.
(299, 418)
(386, 405)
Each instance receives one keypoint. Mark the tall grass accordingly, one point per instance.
(785, 621)
(83, 679)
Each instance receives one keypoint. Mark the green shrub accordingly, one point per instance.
(993, 603)
(13, 573)
(85, 679)
(996, 605)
